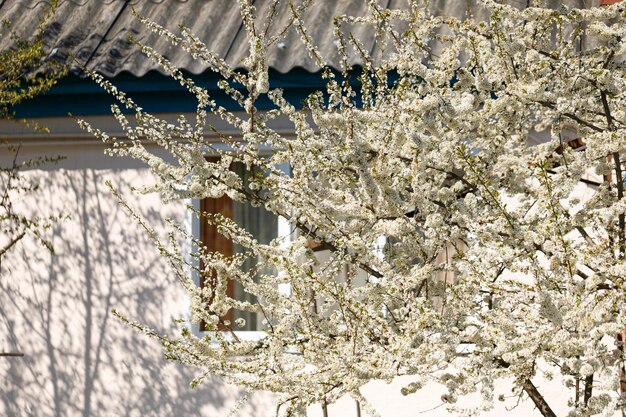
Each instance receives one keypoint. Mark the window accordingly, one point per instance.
(263, 225)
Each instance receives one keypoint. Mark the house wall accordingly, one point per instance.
(78, 359)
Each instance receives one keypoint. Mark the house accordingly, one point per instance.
(55, 309)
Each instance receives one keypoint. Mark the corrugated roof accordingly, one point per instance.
(97, 31)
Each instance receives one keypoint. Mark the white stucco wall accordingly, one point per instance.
(79, 360)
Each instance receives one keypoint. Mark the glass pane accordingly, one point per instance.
(263, 225)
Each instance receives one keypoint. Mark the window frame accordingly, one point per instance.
(193, 227)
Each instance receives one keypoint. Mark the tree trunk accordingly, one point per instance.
(537, 398)
(588, 388)
(325, 408)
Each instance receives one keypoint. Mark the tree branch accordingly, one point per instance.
(11, 354)
(588, 388)
(531, 390)
(535, 395)
(11, 243)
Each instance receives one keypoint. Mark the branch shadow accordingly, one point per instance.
(56, 309)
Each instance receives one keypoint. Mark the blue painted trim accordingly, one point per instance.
(156, 92)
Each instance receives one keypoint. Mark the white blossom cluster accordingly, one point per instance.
(431, 153)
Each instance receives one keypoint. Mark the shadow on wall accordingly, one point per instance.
(79, 360)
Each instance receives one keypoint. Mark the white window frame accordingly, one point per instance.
(192, 227)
